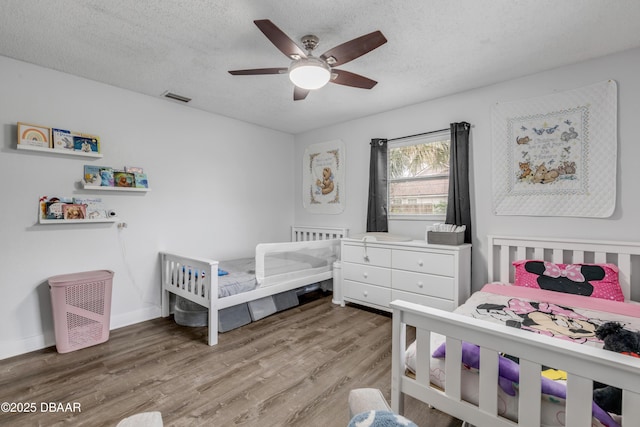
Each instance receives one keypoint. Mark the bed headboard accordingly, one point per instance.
(304, 233)
(504, 250)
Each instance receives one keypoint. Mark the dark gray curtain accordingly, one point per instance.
(377, 211)
(459, 204)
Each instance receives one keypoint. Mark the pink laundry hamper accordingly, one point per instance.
(81, 304)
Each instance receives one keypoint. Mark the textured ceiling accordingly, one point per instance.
(435, 48)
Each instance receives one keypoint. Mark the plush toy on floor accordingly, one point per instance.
(375, 418)
(620, 340)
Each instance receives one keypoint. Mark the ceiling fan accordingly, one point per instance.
(308, 72)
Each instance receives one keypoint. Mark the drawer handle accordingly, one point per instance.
(420, 285)
(365, 274)
(420, 263)
(365, 293)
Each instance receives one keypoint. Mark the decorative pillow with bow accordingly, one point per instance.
(593, 280)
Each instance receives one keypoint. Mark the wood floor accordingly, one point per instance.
(292, 368)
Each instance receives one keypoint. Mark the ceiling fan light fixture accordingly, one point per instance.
(309, 73)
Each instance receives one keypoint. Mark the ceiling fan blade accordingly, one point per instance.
(299, 94)
(280, 39)
(258, 71)
(353, 49)
(347, 78)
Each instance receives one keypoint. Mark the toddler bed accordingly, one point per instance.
(540, 328)
(276, 268)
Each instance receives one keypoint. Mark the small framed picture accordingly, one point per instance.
(34, 135)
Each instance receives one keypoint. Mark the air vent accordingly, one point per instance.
(176, 97)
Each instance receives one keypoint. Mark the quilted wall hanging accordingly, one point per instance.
(556, 155)
(323, 177)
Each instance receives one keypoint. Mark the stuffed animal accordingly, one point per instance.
(380, 419)
(620, 340)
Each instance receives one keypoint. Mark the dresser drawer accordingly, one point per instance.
(367, 274)
(371, 256)
(423, 284)
(366, 293)
(424, 262)
(442, 304)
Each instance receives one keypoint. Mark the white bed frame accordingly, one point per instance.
(203, 290)
(582, 363)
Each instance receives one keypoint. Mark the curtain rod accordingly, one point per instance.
(417, 134)
(420, 134)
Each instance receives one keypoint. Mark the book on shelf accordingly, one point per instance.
(94, 208)
(123, 179)
(74, 211)
(62, 139)
(75, 141)
(86, 143)
(91, 176)
(133, 169)
(106, 177)
(141, 180)
(53, 207)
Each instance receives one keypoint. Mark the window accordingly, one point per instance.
(419, 176)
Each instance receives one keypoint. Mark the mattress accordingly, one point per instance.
(571, 317)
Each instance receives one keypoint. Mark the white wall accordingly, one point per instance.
(475, 107)
(218, 187)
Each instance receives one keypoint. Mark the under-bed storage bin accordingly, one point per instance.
(233, 317)
(286, 300)
(262, 308)
(189, 313)
(81, 304)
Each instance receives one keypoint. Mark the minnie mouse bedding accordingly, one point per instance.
(572, 316)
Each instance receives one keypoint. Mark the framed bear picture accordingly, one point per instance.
(323, 177)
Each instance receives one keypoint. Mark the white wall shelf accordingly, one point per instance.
(60, 152)
(75, 221)
(104, 188)
(45, 221)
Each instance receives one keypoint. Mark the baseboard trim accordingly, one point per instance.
(133, 317)
(16, 348)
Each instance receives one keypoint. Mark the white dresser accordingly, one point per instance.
(374, 273)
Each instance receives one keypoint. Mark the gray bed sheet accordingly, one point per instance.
(241, 277)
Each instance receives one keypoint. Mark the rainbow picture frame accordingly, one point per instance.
(34, 135)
